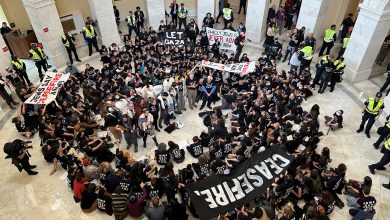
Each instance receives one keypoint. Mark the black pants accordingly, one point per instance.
(8, 98)
(327, 46)
(238, 53)
(41, 64)
(304, 63)
(174, 20)
(341, 52)
(317, 77)
(382, 162)
(70, 50)
(324, 83)
(225, 21)
(384, 87)
(155, 120)
(385, 132)
(131, 29)
(182, 21)
(139, 25)
(25, 163)
(242, 5)
(367, 117)
(207, 99)
(92, 42)
(23, 75)
(219, 15)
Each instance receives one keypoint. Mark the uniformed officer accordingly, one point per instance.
(68, 41)
(329, 39)
(131, 23)
(326, 76)
(372, 111)
(307, 55)
(387, 83)
(20, 68)
(227, 15)
(339, 66)
(182, 14)
(320, 67)
(208, 90)
(40, 59)
(383, 161)
(90, 36)
(384, 133)
(344, 46)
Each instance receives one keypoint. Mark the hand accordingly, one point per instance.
(52, 172)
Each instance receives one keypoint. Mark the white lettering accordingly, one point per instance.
(263, 169)
(285, 161)
(259, 180)
(246, 183)
(220, 196)
(274, 166)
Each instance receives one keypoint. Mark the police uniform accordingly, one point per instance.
(68, 41)
(182, 14)
(384, 160)
(373, 109)
(207, 88)
(326, 76)
(20, 67)
(132, 24)
(227, 16)
(329, 39)
(384, 133)
(307, 55)
(320, 67)
(39, 57)
(339, 66)
(343, 47)
(90, 36)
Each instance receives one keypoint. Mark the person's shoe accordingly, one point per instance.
(195, 106)
(33, 166)
(382, 168)
(158, 130)
(144, 145)
(331, 90)
(284, 60)
(201, 107)
(184, 109)
(128, 147)
(179, 112)
(372, 171)
(136, 149)
(160, 125)
(79, 61)
(31, 173)
(359, 130)
(217, 22)
(375, 146)
(387, 186)
(12, 107)
(191, 107)
(368, 135)
(339, 204)
(209, 107)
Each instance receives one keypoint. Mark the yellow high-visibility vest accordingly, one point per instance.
(227, 13)
(329, 33)
(308, 52)
(67, 43)
(129, 20)
(370, 107)
(89, 32)
(36, 56)
(182, 12)
(19, 65)
(387, 144)
(345, 42)
(338, 64)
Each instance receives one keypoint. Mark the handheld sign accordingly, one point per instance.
(174, 38)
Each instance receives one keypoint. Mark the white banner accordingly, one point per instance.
(244, 68)
(48, 89)
(225, 37)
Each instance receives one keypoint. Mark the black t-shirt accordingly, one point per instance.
(195, 149)
(178, 154)
(154, 109)
(367, 203)
(162, 157)
(104, 204)
(88, 198)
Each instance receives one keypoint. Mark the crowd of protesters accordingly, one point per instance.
(139, 91)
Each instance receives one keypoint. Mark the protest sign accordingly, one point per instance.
(244, 68)
(174, 38)
(225, 37)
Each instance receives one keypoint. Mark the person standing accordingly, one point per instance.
(344, 46)
(208, 90)
(383, 51)
(117, 15)
(20, 156)
(271, 13)
(192, 88)
(192, 31)
(182, 14)
(329, 39)
(280, 16)
(139, 16)
(128, 127)
(221, 5)
(384, 160)
(347, 24)
(174, 10)
(339, 67)
(387, 83)
(326, 76)
(311, 41)
(90, 36)
(68, 41)
(292, 45)
(181, 104)
(320, 68)
(242, 5)
(145, 124)
(131, 23)
(208, 21)
(227, 15)
(20, 68)
(40, 59)
(289, 17)
(306, 54)
(240, 45)
(154, 109)
(5, 92)
(384, 133)
(372, 111)
(16, 80)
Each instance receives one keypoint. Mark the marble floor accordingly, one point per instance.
(48, 197)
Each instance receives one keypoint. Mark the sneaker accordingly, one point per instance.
(368, 135)
(387, 186)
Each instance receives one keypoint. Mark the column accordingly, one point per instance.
(156, 12)
(47, 26)
(370, 30)
(102, 11)
(204, 7)
(5, 57)
(311, 16)
(256, 20)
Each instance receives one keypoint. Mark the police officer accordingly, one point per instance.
(306, 54)
(339, 66)
(329, 39)
(372, 111)
(326, 76)
(320, 67)
(384, 87)
(68, 41)
(384, 133)
(182, 14)
(227, 15)
(344, 46)
(90, 36)
(131, 23)
(383, 161)
(40, 59)
(20, 68)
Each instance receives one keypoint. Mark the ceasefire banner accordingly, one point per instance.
(218, 194)
(244, 68)
(174, 38)
(48, 89)
(225, 37)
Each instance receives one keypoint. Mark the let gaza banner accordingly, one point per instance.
(218, 194)
(225, 37)
(48, 89)
(174, 38)
(244, 68)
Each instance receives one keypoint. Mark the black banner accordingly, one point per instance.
(174, 38)
(218, 194)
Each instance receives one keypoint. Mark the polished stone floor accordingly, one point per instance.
(48, 197)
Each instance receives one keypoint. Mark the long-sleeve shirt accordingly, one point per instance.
(137, 207)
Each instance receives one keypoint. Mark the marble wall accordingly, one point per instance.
(256, 19)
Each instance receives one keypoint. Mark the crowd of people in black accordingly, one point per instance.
(142, 87)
